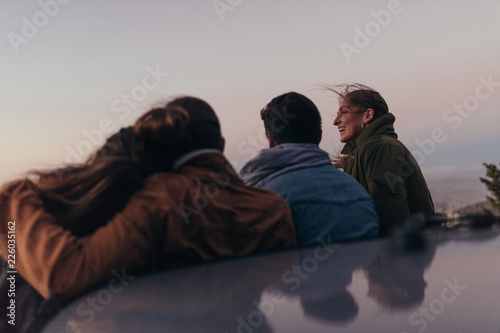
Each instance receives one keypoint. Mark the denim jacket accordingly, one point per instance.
(327, 204)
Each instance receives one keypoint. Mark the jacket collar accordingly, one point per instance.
(383, 125)
(178, 163)
(272, 162)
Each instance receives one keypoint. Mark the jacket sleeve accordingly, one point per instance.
(385, 175)
(55, 262)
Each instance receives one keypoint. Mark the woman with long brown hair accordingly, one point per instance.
(81, 198)
(85, 196)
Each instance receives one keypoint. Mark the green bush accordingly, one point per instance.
(492, 182)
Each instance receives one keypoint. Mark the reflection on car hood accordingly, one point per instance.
(449, 281)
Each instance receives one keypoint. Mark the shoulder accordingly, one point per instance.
(162, 191)
(157, 187)
(268, 205)
(314, 182)
(149, 204)
(292, 178)
(382, 145)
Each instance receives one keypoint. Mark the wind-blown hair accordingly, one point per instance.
(84, 197)
(361, 96)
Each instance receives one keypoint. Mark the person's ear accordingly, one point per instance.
(271, 141)
(368, 116)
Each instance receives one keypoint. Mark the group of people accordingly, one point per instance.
(161, 194)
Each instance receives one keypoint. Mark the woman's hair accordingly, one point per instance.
(337, 158)
(204, 130)
(362, 96)
(165, 132)
(84, 197)
(183, 125)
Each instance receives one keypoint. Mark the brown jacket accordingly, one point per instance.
(203, 212)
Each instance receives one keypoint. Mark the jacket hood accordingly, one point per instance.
(272, 162)
(382, 126)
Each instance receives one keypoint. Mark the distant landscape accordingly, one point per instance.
(457, 195)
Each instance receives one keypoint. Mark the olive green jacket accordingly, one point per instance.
(389, 172)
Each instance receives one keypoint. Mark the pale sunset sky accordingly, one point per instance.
(73, 72)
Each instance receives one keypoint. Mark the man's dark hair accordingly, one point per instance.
(292, 118)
